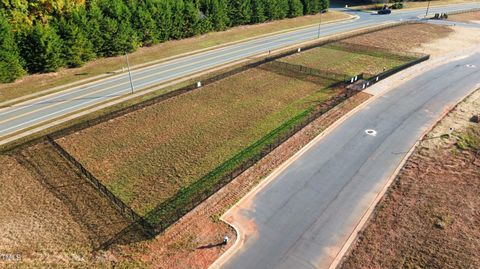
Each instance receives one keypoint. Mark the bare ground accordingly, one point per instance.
(394, 38)
(466, 17)
(430, 216)
(49, 215)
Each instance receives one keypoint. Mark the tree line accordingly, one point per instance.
(43, 36)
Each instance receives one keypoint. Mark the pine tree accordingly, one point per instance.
(216, 12)
(42, 49)
(77, 48)
(272, 9)
(178, 20)
(258, 11)
(191, 26)
(10, 63)
(324, 5)
(295, 8)
(145, 25)
(240, 12)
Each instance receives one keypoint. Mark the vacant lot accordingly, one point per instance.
(147, 156)
(370, 53)
(338, 58)
(394, 38)
(466, 17)
(48, 214)
(430, 216)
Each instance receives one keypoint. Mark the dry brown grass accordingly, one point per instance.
(395, 38)
(466, 17)
(36, 83)
(48, 214)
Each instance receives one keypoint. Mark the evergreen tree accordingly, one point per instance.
(10, 64)
(178, 20)
(258, 11)
(324, 5)
(216, 12)
(295, 8)
(145, 25)
(272, 9)
(163, 16)
(77, 48)
(191, 25)
(42, 49)
(283, 8)
(240, 12)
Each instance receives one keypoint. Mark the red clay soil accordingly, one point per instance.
(189, 243)
(429, 218)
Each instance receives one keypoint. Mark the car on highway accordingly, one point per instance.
(384, 11)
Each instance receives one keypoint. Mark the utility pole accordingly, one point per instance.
(320, 24)
(129, 74)
(428, 7)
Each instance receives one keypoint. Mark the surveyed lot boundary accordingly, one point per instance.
(155, 217)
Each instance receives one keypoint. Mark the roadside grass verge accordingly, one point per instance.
(39, 82)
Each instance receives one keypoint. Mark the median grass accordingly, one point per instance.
(147, 156)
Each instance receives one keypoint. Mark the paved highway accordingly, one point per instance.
(303, 217)
(29, 114)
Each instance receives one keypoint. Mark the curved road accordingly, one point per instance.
(303, 217)
(15, 119)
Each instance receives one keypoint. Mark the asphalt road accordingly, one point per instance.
(303, 217)
(16, 118)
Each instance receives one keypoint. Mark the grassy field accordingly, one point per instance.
(147, 156)
(338, 58)
(35, 83)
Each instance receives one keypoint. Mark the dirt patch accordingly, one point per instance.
(429, 217)
(49, 215)
(466, 17)
(201, 227)
(394, 38)
(460, 38)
